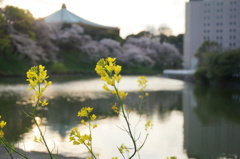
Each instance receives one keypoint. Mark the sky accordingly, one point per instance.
(131, 16)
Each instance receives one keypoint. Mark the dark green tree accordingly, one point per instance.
(20, 20)
(177, 41)
(220, 67)
(207, 48)
(4, 37)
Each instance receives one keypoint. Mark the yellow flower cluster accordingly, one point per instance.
(37, 140)
(115, 108)
(36, 76)
(142, 83)
(148, 125)
(75, 135)
(109, 72)
(84, 112)
(78, 139)
(2, 124)
(123, 148)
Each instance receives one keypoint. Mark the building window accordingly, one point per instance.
(232, 44)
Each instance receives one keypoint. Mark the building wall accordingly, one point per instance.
(212, 20)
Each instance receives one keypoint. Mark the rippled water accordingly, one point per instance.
(189, 121)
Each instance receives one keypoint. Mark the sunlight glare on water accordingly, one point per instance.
(128, 83)
(162, 142)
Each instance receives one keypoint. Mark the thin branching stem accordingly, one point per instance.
(12, 149)
(44, 141)
(127, 122)
(90, 131)
(3, 143)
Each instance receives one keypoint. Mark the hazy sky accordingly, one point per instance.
(131, 16)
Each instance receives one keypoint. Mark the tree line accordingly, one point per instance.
(27, 41)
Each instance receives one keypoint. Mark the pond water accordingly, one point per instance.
(189, 121)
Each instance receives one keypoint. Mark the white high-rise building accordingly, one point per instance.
(212, 20)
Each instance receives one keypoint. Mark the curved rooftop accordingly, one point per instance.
(65, 16)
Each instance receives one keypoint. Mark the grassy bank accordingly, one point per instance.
(69, 63)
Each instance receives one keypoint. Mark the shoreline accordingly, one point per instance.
(31, 155)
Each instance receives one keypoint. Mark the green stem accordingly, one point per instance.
(44, 141)
(90, 150)
(127, 122)
(5, 145)
(90, 131)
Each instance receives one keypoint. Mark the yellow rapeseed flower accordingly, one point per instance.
(94, 126)
(122, 148)
(37, 140)
(105, 87)
(109, 59)
(118, 78)
(115, 108)
(84, 111)
(2, 124)
(108, 71)
(1, 134)
(148, 125)
(36, 76)
(122, 94)
(93, 117)
(117, 69)
(142, 82)
(44, 103)
(83, 122)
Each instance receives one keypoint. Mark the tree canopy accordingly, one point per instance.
(219, 67)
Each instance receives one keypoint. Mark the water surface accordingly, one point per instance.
(189, 121)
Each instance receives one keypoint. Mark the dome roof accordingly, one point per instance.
(65, 16)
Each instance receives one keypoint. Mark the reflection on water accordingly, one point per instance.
(189, 121)
(211, 123)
